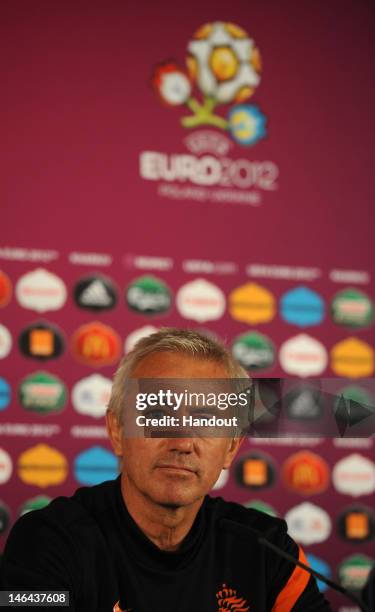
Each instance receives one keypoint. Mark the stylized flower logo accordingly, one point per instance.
(224, 63)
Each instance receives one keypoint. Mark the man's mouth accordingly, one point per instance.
(179, 468)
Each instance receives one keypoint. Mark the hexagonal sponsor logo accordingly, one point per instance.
(352, 308)
(354, 475)
(254, 351)
(5, 289)
(95, 292)
(304, 402)
(42, 465)
(95, 465)
(5, 394)
(91, 395)
(306, 473)
(222, 480)
(252, 303)
(43, 393)
(96, 344)
(353, 358)
(308, 523)
(34, 503)
(255, 471)
(303, 356)
(356, 524)
(4, 517)
(321, 566)
(6, 466)
(41, 290)
(302, 307)
(354, 571)
(261, 506)
(136, 335)
(41, 341)
(5, 342)
(148, 295)
(201, 301)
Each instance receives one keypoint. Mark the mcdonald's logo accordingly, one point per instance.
(96, 344)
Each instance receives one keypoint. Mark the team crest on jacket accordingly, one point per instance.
(228, 599)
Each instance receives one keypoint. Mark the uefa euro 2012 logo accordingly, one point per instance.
(224, 64)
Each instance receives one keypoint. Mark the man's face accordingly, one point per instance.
(173, 471)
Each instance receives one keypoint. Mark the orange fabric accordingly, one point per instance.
(293, 588)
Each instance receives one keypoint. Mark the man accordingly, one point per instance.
(153, 540)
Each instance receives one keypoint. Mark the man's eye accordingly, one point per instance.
(156, 413)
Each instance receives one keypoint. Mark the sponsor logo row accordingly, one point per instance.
(97, 344)
(198, 300)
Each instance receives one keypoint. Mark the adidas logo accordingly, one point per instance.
(95, 294)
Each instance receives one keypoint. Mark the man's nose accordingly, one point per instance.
(181, 445)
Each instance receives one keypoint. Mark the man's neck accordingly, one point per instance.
(165, 526)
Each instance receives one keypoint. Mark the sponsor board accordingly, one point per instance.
(252, 304)
(261, 506)
(354, 475)
(254, 351)
(41, 341)
(356, 524)
(5, 394)
(354, 571)
(95, 465)
(136, 335)
(6, 466)
(5, 342)
(318, 565)
(5, 289)
(43, 393)
(35, 503)
(200, 300)
(41, 290)
(302, 307)
(306, 473)
(91, 395)
(42, 466)
(303, 356)
(308, 524)
(95, 292)
(4, 517)
(148, 295)
(96, 344)
(353, 358)
(255, 471)
(352, 308)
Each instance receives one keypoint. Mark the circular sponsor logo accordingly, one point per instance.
(5, 289)
(5, 342)
(359, 401)
(306, 473)
(95, 465)
(255, 471)
(136, 335)
(354, 475)
(254, 351)
(357, 524)
(303, 355)
(96, 344)
(302, 307)
(91, 395)
(252, 304)
(42, 465)
(354, 571)
(41, 290)
(200, 301)
(304, 402)
(222, 480)
(353, 358)
(5, 394)
(352, 308)
(35, 503)
(148, 295)
(6, 466)
(43, 393)
(95, 292)
(322, 567)
(4, 517)
(261, 506)
(41, 341)
(308, 524)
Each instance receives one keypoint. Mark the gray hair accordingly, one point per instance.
(173, 340)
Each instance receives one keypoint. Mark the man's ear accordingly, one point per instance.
(114, 432)
(235, 444)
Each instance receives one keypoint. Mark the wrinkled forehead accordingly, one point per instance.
(170, 364)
